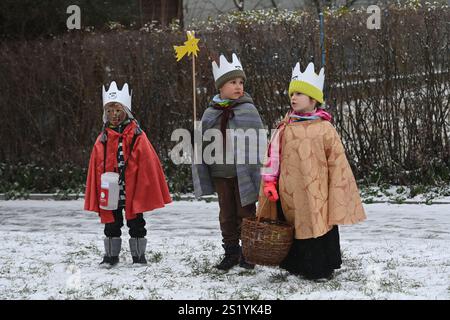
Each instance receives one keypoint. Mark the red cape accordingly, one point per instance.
(145, 184)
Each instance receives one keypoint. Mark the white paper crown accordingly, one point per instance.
(309, 75)
(115, 95)
(225, 67)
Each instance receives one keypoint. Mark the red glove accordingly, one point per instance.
(270, 190)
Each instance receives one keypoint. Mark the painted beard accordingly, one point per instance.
(117, 119)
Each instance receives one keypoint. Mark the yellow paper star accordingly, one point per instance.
(190, 46)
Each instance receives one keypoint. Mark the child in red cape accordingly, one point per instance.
(122, 147)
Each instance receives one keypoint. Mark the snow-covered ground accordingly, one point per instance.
(51, 250)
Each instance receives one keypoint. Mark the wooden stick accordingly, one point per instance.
(194, 90)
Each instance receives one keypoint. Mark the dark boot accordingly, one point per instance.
(137, 249)
(244, 264)
(232, 253)
(112, 250)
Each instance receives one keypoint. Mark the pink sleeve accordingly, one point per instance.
(271, 169)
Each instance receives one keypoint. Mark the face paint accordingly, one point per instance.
(115, 114)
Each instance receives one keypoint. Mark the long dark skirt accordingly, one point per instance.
(313, 258)
(316, 257)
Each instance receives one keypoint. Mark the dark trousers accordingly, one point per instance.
(231, 212)
(137, 226)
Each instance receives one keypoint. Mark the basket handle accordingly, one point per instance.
(272, 208)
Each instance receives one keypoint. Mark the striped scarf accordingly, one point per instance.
(121, 161)
(224, 103)
(226, 106)
(121, 164)
(316, 114)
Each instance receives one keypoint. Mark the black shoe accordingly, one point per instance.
(244, 264)
(231, 259)
(228, 262)
(140, 260)
(112, 261)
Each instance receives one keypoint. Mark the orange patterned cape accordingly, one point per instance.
(316, 184)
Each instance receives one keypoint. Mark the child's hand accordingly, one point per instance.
(270, 190)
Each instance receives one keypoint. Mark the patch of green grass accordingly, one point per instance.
(208, 245)
(352, 263)
(25, 291)
(74, 257)
(392, 283)
(333, 284)
(369, 191)
(391, 264)
(93, 249)
(19, 193)
(386, 192)
(246, 272)
(201, 265)
(176, 196)
(155, 257)
(416, 284)
(416, 190)
(353, 276)
(400, 190)
(79, 253)
(109, 290)
(216, 293)
(278, 277)
(245, 293)
(74, 294)
(153, 294)
(398, 199)
(36, 271)
(296, 288)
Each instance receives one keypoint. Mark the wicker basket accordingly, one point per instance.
(266, 242)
